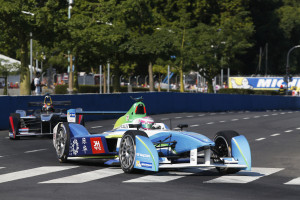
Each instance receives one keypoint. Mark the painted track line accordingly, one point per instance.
(245, 176)
(33, 151)
(194, 125)
(276, 134)
(87, 176)
(288, 131)
(162, 177)
(97, 127)
(32, 172)
(259, 139)
(295, 181)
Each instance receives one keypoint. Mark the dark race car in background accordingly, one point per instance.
(41, 121)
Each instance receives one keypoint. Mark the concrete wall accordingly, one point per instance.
(156, 103)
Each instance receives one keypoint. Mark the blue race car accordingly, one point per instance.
(138, 143)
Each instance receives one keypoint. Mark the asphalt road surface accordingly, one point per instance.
(29, 168)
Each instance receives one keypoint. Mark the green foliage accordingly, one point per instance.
(61, 89)
(134, 35)
(247, 91)
(88, 89)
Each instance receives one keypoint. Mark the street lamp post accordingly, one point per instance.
(70, 55)
(30, 57)
(100, 79)
(287, 66)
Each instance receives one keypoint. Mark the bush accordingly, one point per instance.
(88, 89)
(247, 91)
(61, 89)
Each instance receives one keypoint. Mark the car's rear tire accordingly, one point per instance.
(127, 150)
(62, 142)
(14, 125)
(223, 148)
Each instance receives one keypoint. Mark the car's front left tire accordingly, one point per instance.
(127, 150)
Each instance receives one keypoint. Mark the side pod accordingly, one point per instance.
(146, 156)
(241, 151)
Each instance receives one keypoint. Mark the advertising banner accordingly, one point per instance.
(262, 83)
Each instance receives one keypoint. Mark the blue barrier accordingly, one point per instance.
(156, 103)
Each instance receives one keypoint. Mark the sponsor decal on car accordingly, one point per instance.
(74, 147)
(97, 146)
(143, 155)
(71, 117)
(143, 164)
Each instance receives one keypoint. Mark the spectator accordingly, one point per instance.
(37, 83)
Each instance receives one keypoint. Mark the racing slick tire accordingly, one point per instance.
(127, 150)
(223, 148)
(14, 125)
(61, 141)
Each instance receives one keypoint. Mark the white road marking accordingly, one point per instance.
(295, 181)
(32, 172)
(276, 134)
(290, 112)
(1, 156)
(6, 137)
(33, 151)
(256, 117)
(210, 123)
(223, 113)
(212, 113)
(275, 114)
(246, 118)
(234, 120)
(2, 167)
(245, 176)
(96, 126)
(194, 125)
(222, 121)
(178, 117)
(259, 139)
(201, 115)
(288, 131)
(266, 115)
(176, 128)
(87, 176)
(190, 116)
(162, 177)
(164, 118)
(298, 128)
(282, 113)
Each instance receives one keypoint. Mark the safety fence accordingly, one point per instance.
(156, 103)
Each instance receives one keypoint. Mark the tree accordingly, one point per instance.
(215, 45)
(7, 68)
(148, 39)
(20, 18)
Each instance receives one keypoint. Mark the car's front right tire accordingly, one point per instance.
(62, 142)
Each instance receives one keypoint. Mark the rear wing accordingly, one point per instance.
(54, 103)
(75, 115)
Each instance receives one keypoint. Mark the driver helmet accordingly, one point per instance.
(146, 123)
(48, 107)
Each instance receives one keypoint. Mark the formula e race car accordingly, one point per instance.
(137, 143)
(40, 121)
